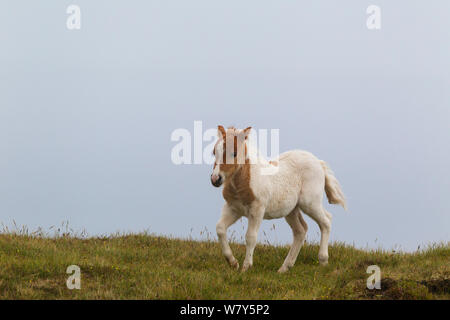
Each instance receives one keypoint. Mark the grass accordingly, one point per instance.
(143, 266)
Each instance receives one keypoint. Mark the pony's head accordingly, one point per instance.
(230, 153)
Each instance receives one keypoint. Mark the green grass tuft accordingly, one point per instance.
(150, 267)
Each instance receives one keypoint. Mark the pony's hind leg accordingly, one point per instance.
(316, 211)
(299, 228)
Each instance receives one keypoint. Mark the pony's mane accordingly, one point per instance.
(253, 152)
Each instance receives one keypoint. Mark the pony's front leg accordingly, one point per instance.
(255, 217)
(227, 219)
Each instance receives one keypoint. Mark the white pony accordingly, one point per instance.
(259, 189)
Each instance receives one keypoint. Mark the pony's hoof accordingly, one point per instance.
(323, 261)
(246, 266)
(234, 265)
(283, 269)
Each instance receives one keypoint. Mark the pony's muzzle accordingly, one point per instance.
(216, 180)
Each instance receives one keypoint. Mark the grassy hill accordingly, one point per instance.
(150, 267)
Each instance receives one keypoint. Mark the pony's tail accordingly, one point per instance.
(332, 187)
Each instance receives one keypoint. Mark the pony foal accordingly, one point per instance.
(259, 189)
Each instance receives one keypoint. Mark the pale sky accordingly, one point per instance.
(86, 115)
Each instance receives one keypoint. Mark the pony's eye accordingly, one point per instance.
(234, 154)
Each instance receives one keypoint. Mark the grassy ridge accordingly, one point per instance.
(149, 267)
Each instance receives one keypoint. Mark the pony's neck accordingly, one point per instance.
(254, 155)
(263, 166)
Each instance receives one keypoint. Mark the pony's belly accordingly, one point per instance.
(281, 210)
(282, 197)
(276, 214)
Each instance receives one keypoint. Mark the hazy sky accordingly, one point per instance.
(86, 115)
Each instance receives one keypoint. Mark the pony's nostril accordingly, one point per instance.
(216, 180)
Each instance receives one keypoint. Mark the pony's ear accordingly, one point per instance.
(221, 132)
(246, 132)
